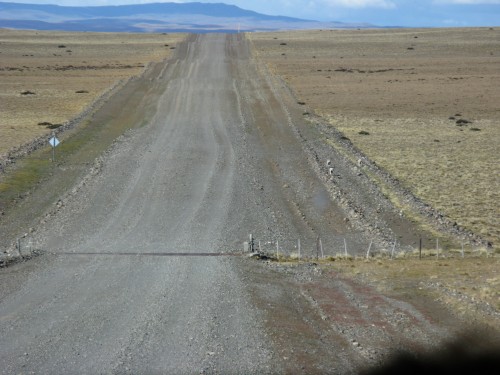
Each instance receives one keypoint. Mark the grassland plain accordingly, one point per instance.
(48, 78)
(421, 103)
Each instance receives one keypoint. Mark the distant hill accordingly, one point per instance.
(155, 17)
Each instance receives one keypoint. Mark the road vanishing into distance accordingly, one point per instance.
(125, 284)
(193, 180)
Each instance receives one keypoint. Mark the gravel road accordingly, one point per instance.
(174, 186)
(217, 161)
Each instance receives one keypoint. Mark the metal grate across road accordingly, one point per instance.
(157, 254)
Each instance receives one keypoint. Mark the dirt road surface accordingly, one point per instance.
(218, 160)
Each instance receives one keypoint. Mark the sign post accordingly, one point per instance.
(54, 142)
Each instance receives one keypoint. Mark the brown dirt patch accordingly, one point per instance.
(469, 287)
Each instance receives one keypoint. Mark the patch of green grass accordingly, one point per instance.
(29, 171)
(23, 178)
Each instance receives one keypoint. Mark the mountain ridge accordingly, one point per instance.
(209, 9)
(152, 17)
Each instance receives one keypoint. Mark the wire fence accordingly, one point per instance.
(22, 249)
(325, 247)
(344, 247)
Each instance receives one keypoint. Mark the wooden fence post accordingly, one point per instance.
(19, 248)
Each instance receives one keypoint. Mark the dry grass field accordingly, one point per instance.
(423, 104)
(47, 78)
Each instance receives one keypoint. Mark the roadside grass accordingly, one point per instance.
(429, 115)
(459, 175)
(26, 175)
(76, 148)
(396, 200)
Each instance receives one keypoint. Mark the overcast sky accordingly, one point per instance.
(378, 12)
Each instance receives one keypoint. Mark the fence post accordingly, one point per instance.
(321, 248)
(393, 248)
(462, 249)
(420, 248)
(369, 248)
(437, 248)
(345, 248)
(19, 248)
(317, 248)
